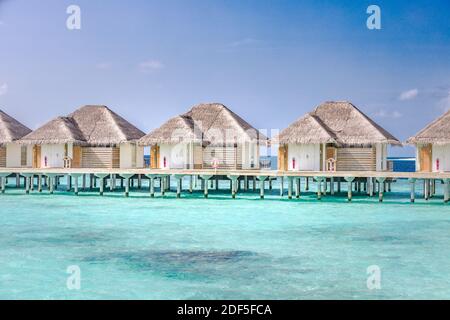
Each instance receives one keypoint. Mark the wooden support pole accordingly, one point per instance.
(127, 187)
(281, 186)
(412, 185)
(290, 185)
(179, 187)
(152, 187)
(111, 182)
(426, 189)
(190, 183)
(27, 184)
(3, 183)
(39, 183)
(262, 180)
(307, 184)
(339, 185)
(205, 179)
(234, 180)
(245, 183)
(349, 187)
(319, 181)
(381, 188)
(297, 187)
(332, 185)
(51, 183)
(446, 190)
(76, 185)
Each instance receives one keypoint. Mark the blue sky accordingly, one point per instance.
(269, 61)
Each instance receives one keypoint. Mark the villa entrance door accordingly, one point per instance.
(425, 158)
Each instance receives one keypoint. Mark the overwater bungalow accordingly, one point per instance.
(13, 155)
(207, 136)
(433, 145)
(91, 137)
(336, 136)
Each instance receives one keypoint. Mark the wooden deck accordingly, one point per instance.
(257, 173)
(369, 182)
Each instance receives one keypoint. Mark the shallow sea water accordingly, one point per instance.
(220, 248)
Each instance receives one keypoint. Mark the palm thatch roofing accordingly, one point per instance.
(437, 132)
(206, 123)
(11, 129)
(89, 125)
(338, 122)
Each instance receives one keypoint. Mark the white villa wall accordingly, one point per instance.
(307, 157)
(175, 156)
(441, 152)
(54, 153)
(381, 157)
(250, 155)
(131, 156)
(14, 155)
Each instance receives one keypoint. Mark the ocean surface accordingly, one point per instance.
(220, 248)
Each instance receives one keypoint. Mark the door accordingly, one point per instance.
(2, 157)
(36, 156)
(154, 157)
(425, 158)
(283, 158)
(76, 161)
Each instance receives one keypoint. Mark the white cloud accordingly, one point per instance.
(3, 89)
(244, 42)
(150, 65)
(103, 66)
(444, 103)
(408, 95)
(388, 114)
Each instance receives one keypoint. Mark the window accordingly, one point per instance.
(23, 156)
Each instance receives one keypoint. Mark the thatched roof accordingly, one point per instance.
(212, 122)
(176, 129)
(337, 122)
(11, 129)
(437, 132)
(89, 125)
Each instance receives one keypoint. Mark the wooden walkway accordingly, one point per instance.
(373, 182)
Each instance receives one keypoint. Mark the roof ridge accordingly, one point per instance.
(324, 126)
(113, 115)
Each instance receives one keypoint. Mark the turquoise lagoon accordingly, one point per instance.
(219, 248)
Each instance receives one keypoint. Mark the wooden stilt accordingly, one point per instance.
(446, 190)
(39, 183)
(190, 183)
(262, 180)
(349, 187)
(290, 185)
(412, 186)
(297, 188)
(281, 186)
